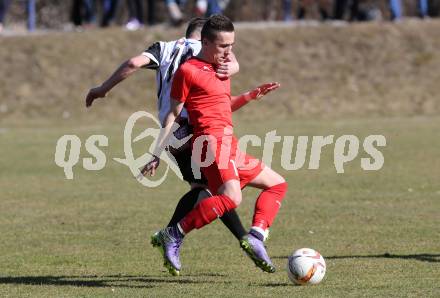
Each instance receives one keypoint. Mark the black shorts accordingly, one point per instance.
(183, 154)
(183, 159)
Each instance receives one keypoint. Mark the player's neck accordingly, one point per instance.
(203, 57)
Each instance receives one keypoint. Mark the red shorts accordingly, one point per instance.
(224, 161)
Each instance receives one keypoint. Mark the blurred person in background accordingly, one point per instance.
(287, 10)
(340, 7)
(423, 8)
(30, 11)
(31, 15)
(83, 12)
(305, 5)
(396, 9)
(175, 11)
(3, 9)
(211, 7)
(151, 12)
(136, 14)
(109, 9)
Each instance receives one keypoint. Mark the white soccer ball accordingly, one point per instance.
(306, 266)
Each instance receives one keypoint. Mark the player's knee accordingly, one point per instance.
(234, 194)
(231, 188)
(236, 197)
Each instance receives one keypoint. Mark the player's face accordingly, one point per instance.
(218, 51)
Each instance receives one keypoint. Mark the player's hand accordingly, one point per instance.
(93, 94)
(150, 167)
(227, 67)
(223, 70)
(262, 90)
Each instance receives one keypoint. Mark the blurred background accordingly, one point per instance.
(334, 57)
(134, 14)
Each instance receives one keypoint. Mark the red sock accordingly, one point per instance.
(206, 212)
(267, 205)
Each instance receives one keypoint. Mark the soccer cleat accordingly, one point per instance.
(168, 241)
(255, 249)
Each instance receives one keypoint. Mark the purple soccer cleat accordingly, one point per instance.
(169, 241)
(254, 248)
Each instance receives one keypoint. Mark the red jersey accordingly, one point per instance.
(206, 97)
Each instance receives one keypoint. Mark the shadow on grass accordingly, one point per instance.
(433, 258)
(108, 281)
(274, 285)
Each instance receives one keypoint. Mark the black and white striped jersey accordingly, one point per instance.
(166, 57)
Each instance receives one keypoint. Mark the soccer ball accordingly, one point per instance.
(306, 266)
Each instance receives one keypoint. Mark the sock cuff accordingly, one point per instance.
(257, 232)
(230, 204)
(280, 186)
(180, 229)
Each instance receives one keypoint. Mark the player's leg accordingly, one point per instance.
(232, 221)
(184, 206)
(274, 188)
(187, 202)
(228, 198)
(170, 239)
(197, 193)
(224, 183)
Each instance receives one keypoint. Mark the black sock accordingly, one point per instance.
(185, 205)
(188, 201)
(233, 223)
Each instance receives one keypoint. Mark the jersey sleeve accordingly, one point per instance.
(181, 84)
(153, 52)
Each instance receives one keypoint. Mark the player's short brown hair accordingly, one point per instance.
(194, 25)
(216, 23)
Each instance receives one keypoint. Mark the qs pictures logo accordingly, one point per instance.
(346, 149)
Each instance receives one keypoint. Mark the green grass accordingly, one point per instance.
(89, 236)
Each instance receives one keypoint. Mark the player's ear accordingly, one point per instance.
(204, 41)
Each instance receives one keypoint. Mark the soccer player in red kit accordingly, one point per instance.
(209, 105)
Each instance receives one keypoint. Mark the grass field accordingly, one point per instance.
(379, 231)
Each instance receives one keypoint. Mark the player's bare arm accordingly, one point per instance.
(125, 70)
(164, 136)
(239, 101)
